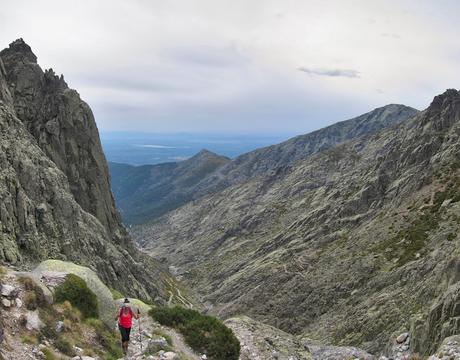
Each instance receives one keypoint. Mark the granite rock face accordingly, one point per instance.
(64, 128)
(347, 246)
(55, 199)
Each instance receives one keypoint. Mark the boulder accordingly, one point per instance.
(7, 290)
(107, 307)
(6, 303)
(33, 321)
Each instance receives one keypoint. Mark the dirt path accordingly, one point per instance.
(148, 326)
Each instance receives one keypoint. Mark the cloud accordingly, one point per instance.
(349, 73)
(391, 35)
(231, 65)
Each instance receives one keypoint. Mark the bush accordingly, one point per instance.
(65, 345)
(204, 334)
(75, 290)
(107, 338)
(34, 296)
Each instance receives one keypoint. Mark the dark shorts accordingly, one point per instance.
(124, 333)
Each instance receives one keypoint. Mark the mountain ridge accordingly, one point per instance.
(354, 237)
(254, 163)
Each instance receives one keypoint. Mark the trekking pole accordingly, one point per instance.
(139, 322)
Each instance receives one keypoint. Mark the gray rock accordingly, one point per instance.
(6, 303)
(59, 326)
(33, 321)
(7, 290)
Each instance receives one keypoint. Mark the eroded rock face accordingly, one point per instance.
(64, 128)
(55, 199)
(346, 246)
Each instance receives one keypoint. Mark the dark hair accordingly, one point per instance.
(126, 301)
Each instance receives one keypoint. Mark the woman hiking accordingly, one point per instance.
(125, 322)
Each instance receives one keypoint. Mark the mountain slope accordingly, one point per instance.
(149, 191)
(54, 187)
(262, 161)
(347, 246)
(145, 193)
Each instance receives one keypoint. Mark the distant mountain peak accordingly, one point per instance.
(20, 51)
(206, 153)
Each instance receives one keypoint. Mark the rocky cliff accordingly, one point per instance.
(348, 246)
(149, 191)
(55, 199)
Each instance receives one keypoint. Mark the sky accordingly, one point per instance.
(241, 66)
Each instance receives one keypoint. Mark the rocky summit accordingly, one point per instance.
(352, 245)
(55, 193)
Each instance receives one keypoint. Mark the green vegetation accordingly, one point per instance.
(34, 296)
(29, 339)
(65, 345)
(204, 334)
(107, 338)
(75, 290)
(49, 354)
(410, 241)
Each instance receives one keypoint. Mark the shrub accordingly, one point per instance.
(204, 334)
(29, 339)
(75, 290)
(65, 345)
(34, 296)
(107, 338)
(49, 354)
(30, 300)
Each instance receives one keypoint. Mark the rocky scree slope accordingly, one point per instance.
(55, 199)
(149, 191)
(346, 247)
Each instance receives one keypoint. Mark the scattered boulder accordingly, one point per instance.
(8, 291)
(6, 303)
(33, 321)
(169, 355)
(59, 326)
(448, 350)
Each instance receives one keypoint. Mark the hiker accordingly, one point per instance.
(124, 317)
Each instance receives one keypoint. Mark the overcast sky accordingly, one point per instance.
(241, 66)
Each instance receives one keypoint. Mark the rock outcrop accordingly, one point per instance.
(347, 246)
(55, 199)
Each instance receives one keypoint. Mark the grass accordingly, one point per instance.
(75, 290)
(205, 334)
(29, 339)
(107, 338)
(34, 296)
